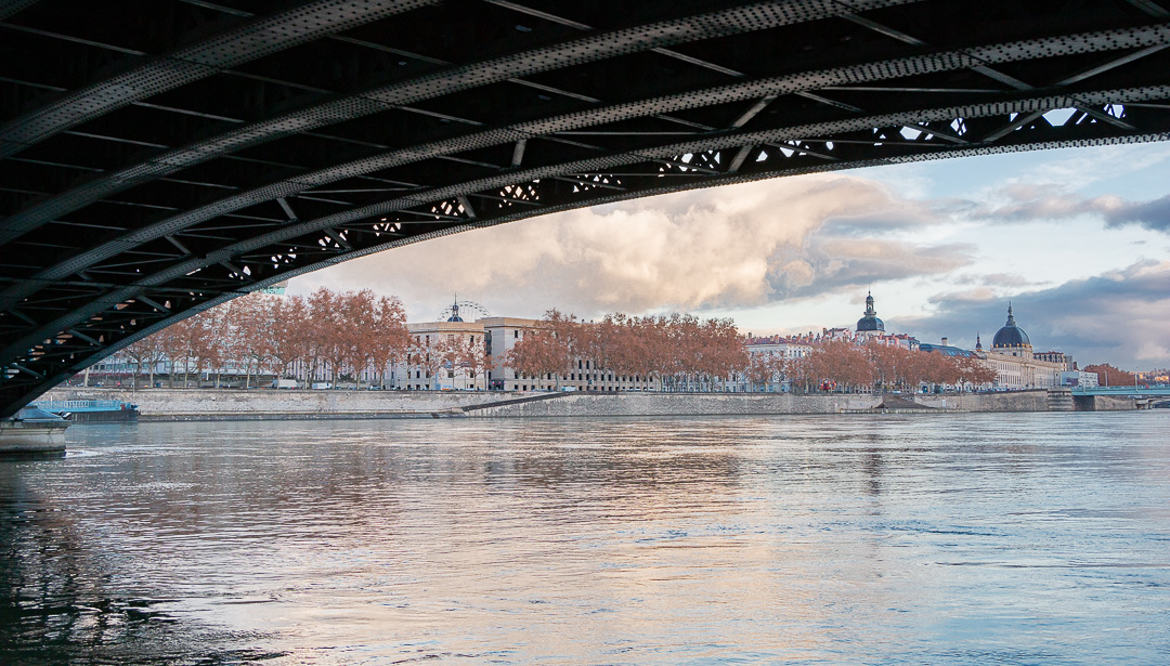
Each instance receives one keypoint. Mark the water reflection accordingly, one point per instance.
(969, 538)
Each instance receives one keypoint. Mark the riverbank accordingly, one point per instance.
(262, 404)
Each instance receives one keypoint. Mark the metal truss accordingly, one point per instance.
(153, 170)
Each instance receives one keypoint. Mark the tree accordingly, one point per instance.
(974, 371)
(290, 336)
(1107, 375)
(389, 341)
(840, 364)
(327, 336)
(356, 338)
(253, 330)
(147, 352)
(210, 342)
(426, 361)
(541, 352)
(475, 359)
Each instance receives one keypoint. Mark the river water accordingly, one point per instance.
(1040, 538)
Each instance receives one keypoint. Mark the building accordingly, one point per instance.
(444, 356)
(1079, 378)
(1015, 364)
(459, 355)
(870, 325)
(946, 349)
(775, 348)
(277, 289)
(501, 336)
(1057, 357)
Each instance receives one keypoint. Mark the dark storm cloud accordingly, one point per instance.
(1150, 214)
(1121, 316)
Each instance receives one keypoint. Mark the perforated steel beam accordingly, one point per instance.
(259, 37)
(723, 22)
(1144, 39)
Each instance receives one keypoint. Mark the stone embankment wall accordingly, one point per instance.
(1014, 401)
(1106, 403)
(260, 404)
(681, 404)
(211, 404)
(678, 404)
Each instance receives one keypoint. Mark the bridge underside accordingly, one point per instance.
(161, 157)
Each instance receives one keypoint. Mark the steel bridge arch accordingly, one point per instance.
(230, 145)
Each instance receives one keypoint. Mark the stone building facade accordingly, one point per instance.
(1015, 364)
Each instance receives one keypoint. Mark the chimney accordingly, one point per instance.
(944, 341)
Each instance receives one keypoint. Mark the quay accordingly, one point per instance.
(260, 404)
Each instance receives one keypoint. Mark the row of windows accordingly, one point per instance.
(450, 336)
(583, 376)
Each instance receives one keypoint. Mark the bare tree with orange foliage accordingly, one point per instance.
(390, 340)
(289, 343)
(542, 352)
(974, 372)
(1107, 375)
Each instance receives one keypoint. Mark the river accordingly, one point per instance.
(974, 538)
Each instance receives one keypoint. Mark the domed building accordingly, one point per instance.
(1014, 363)
(869, 324)
(455, 318)
(1011, 339)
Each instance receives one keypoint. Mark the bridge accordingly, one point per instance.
(159, 158)
(1136, 391)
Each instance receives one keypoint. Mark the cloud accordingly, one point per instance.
(835, 263)
(1121, 316)
(1022, 202)
(1153, 215)
(994, 280)
(737, 246)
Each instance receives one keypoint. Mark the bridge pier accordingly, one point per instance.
(33, 432)
(18, 438)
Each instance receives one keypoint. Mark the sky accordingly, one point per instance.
(1078, 240)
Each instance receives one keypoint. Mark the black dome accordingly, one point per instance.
(870, 321)
(1010, 335)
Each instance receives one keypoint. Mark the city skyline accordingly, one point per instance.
(1077, 238)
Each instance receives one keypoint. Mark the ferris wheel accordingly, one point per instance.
(452, 312)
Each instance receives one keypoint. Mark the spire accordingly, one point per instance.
(1011, 320)
(455, 310)
(978, 342)
(869, 311)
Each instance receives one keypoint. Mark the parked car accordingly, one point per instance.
(284, 383)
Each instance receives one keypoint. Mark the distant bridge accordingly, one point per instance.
(160, 158)
(1137, 391)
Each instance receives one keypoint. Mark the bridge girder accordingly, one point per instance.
(142, 182)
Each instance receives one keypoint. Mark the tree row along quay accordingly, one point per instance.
(331, 335)
(682, 353)
(357, 337)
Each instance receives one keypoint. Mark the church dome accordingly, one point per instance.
(870, 321)
(455, 312)
(1010, 335)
